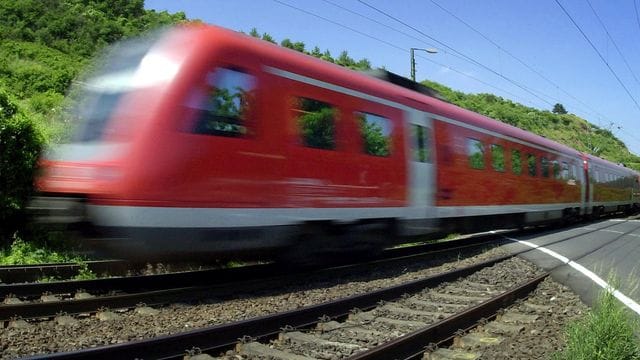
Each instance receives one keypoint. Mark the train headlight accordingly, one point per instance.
(154, 69)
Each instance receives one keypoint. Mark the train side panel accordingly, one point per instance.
(482, 172)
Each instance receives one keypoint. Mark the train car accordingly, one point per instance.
(197, 140)
(494, 175)
(614, 188)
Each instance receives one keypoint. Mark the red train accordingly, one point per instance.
(200, 140)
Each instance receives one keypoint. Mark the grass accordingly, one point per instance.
(607, 332)
(26, 253)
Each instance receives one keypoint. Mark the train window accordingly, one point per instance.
(475, 151)
(376, 134)
(574, 172)
(531, 162)
(316, 121)
(516, 162)
(556, 169)
(226, 107)
(497, 157)
(421, 143)
(544, 164)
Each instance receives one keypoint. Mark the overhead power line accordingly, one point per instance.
(397, 47)
(377, 22)
(468, 58)
(635, 6)
(598, 52)
(339, 24)
(522, 62)
(613, 41)
(422, 41)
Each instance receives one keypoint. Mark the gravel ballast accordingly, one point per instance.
(64, 334)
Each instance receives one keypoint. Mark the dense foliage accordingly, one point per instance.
(343, 59)
(564, 128)
(44, 45)
(20, 144)
(79, 27)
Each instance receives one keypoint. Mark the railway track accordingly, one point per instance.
(395, 322)
(283, 296)
(13, 274)
(10, 274)
(46, 300)
(41, 300)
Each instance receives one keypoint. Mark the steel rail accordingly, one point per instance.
(190, 285)
(226, 335)
(411, 346)
(213, 277)
(24, 273)
(157, 289)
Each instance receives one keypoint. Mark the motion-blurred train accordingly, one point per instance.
(201, 140)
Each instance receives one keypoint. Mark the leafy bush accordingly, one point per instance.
(20, 144)
(22, 252)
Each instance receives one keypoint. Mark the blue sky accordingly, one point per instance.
(532, 45)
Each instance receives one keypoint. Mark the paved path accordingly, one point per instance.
(590, 256)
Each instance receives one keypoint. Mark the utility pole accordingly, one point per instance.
(413, 59)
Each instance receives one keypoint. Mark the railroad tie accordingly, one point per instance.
(395, 309)
(349, 328)
(436, 305)
(371, 316)
(454, 298)
(447, 354)
(260, 350)
(303, 339)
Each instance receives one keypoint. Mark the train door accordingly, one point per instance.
(588, 186)
(422, 183)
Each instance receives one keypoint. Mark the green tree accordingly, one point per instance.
(254, 33)
(297, 46)
(559, 109)
(269, 38)
(20, 145)
(345, 60)
(326, 56)
(316, 52)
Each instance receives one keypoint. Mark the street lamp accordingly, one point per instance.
(413, 60)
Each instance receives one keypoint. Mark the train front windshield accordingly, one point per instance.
(117, 73)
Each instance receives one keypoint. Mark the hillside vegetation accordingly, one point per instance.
(46, 44)
(567, 129)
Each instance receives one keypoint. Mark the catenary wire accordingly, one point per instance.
(635, 6)
(519, 60)
(598, 52)
(394, 46)
(428, 44)
(613, 42)
(468, 58)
